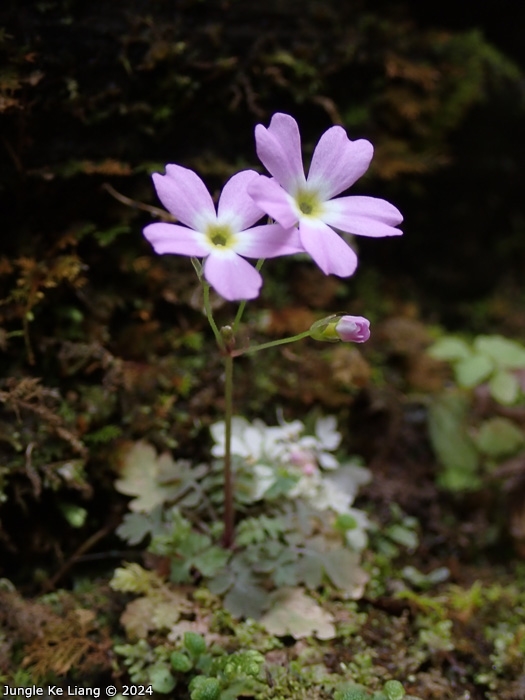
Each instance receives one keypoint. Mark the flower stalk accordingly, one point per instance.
(229, 511)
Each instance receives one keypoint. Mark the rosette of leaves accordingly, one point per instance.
(296, 547)
(490, 359)
(463, 444)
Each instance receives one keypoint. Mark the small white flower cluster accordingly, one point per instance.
(271, 452)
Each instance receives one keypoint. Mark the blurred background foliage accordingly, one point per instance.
(99, 339)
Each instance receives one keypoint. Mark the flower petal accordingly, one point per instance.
(268, 241)
(362, 216)
(378, 209)
(171, 238)
(338, 162)
(279, 148)
(232, 276)
(274, 200)
(354, 329)
(236, 207)
(327, 248)
(184, 194)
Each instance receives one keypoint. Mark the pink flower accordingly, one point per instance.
(349, 329)
(354, 329)
(293, 200)
(222, 236)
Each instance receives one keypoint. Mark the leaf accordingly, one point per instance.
(294, 612)
(135, 527)
(161, 678)
(246, 598)
(453, 446)
(158, 611)
(211, 560)
(219, 584)
(449, 349)
(504, 387)
(499, 437)
(75, 515)
(503, 351)
(310, 568)
(473, 370)
(343, 569)
(339, 564)
(404, 536)
(152, 479)
(132, 578)
(136, 618)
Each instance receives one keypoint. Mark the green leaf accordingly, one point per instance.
(75, 515)
(403, 535)
(503, 351)
(161, 679)
(473, 370)
(246, 598)
(453, 446)
(342, 568)
(140, 476)
(180, 662)
(499, 437)
(295, 613)
(504, 387)
(394, 690)
(135, 527)
(220, 583)
(205, 688)
(310, 568)
(211, 561)
(194, 643)
(132, 578)
(450, 349)
(352, 692)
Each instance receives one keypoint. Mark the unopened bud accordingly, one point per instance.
(349, 329)
(228, 336)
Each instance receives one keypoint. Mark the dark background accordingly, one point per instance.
(96, 90)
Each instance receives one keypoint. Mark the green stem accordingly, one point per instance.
(209, 314)
(228, 477)
(270, 344)
(197, 266)
(238, 315)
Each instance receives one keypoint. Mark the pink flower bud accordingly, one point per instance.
(354, 329)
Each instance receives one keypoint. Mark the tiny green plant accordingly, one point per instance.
(207, 672)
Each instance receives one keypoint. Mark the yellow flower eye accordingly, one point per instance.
(220, 236)
(308, 203)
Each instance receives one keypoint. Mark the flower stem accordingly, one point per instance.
(228, 476)
(270, 344)
(209, 314)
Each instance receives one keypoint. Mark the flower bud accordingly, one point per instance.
(355, 329)
(228, 336)
(332, 329)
